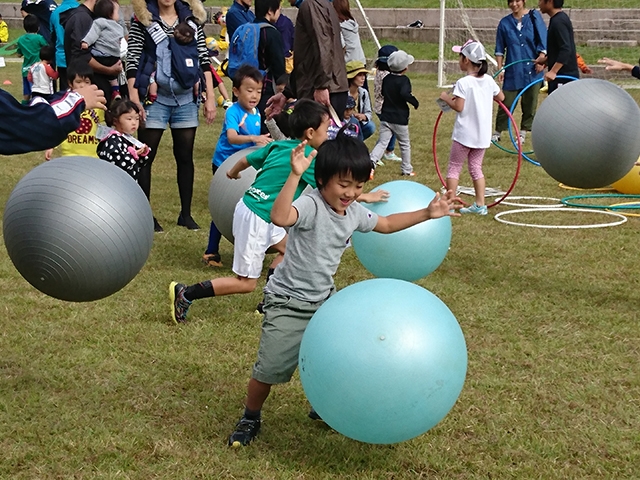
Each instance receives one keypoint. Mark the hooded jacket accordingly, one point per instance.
(57, 30)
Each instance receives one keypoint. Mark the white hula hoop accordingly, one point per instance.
(508, 201)
(622, 218)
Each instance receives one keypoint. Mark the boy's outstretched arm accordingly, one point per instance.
(240, 166)
(439, 207)
(283, 213)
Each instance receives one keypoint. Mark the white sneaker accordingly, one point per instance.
(391, 156)
(495, 137)
(523, 136)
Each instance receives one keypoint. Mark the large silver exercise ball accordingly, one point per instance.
(78, 228)
(586, 133)
(225, 193)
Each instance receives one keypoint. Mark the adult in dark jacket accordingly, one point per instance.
(270, 52)
(52, 121)
(76, 23)
(238, 14)
(561, 56)
(41, 9)
(319, 71)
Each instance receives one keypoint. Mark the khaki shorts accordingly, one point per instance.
(284, 323)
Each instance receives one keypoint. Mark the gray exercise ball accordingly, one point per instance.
(225, 193)
(78, 228)
(586, 134)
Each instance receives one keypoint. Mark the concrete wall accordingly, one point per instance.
(390, 23)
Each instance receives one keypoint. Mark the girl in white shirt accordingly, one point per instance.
(472, 98)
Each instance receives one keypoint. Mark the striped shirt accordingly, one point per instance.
(137, 39)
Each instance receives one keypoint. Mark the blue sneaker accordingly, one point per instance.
(474, 209)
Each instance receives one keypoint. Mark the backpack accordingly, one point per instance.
(243, 48)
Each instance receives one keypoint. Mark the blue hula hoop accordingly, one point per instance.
(513, 107)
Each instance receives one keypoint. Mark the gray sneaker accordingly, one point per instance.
(495, 137)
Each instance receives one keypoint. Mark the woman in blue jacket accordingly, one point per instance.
(521, 36)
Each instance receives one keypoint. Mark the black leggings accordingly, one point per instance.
(183, 140)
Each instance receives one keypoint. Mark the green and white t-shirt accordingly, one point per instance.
(273, 163)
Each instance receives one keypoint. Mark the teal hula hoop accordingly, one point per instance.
(569, 201)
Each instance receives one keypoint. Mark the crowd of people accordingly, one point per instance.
(311, 123)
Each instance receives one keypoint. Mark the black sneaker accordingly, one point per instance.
(260, 308)
(416, 24)
(179, 304)
(156, 226)
(188, 222)
(246, 430)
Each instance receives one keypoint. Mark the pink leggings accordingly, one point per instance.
(457, 157)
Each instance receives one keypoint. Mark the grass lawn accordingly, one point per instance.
(112, 389)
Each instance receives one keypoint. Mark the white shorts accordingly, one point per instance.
(252, 237)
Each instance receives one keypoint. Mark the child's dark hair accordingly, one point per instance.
(558, 3)
(306, 114)
(483, 65)
(31, 23)
(184, 33)
(47, 53)
(246, 71)
(343, 156)
(79, 69)
(104, 9)
(282, 121)
(283, 79)
(262, 7)
(119, 107)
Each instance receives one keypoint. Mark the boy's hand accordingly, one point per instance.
(374, 197)
(84, 45)
(444, 96)
(276, 103)
(262, 140)
(48, 154)
(442, 206)
(300, 163)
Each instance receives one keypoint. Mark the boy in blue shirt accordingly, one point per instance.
(240, 130)
(320, 224)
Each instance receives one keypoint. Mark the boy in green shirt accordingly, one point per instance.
(29, 46)
(252, 228)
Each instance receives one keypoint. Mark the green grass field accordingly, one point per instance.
(112, 389)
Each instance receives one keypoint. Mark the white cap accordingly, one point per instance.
(473, 50)
(399, 60)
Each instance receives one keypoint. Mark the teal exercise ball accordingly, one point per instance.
(383, 361)
(585, 134)
(410, 254)
(77, 228)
